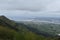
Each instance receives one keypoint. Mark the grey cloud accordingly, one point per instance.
(29, 8)
(32, 5)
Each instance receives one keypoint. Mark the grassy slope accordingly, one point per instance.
(8, 32)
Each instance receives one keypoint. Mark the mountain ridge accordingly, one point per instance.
(7, 22)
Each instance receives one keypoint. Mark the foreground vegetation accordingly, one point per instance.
(10, 34)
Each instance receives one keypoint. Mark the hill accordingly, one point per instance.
(10, 30)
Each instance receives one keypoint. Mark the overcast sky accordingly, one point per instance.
(29, 8)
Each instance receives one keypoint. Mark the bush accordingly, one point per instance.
(7, 34)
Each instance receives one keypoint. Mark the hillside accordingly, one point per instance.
(10, 30)
(50, 28)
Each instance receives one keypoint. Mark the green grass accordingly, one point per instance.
(10, 34)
